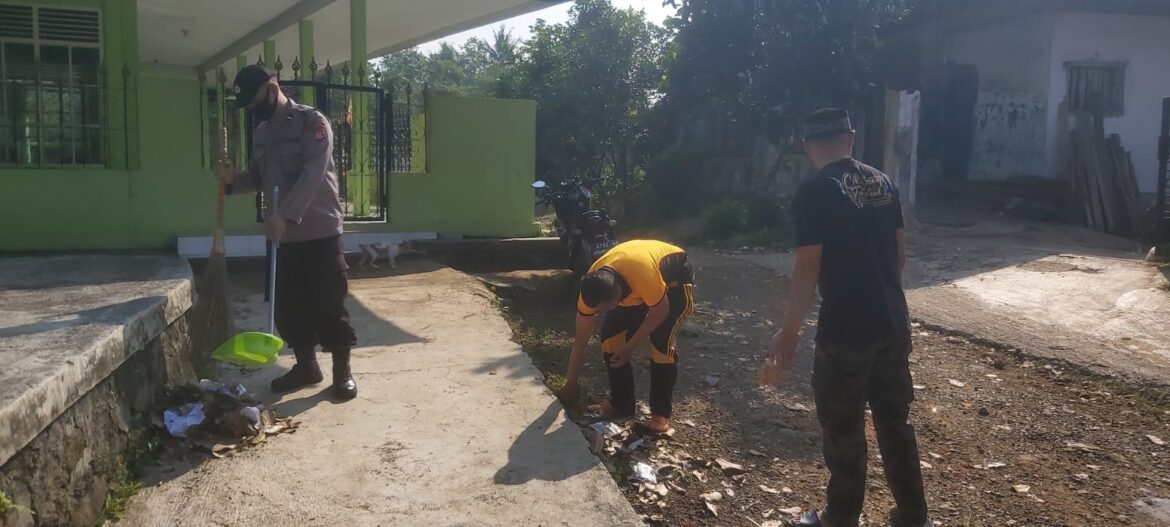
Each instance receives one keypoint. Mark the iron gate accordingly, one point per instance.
(363, 137)
(361, 149)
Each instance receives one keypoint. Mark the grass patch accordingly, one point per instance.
(144, 449)
(531, 338)
(554, 381)
(747, 223)
(7, 505)
(123, 487)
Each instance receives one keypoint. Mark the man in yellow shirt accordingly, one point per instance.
(644, 289)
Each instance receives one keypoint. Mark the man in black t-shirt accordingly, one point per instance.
(850, 240)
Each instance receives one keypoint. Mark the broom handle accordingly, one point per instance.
(217, 243)
(272, 272)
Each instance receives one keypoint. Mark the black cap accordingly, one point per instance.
(826, 122)
(248, 81)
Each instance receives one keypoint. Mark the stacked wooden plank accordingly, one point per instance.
(1103, 176)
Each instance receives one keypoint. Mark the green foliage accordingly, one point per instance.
(756, 223)
(122, 488)
(593, 79)
(473, 70)
(742, 67)
(627, 102)
(7, 505)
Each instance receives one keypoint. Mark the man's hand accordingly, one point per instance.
(275, 226)
(621, 357)
(783, 348)
(225, 173)
(568, 393)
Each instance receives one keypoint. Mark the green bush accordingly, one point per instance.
(760, 222)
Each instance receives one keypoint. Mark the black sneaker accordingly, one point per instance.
(299, 376)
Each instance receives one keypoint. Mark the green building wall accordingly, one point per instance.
(480, 164)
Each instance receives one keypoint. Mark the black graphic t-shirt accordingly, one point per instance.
(853, 211)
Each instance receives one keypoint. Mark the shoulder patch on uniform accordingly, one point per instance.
(321, 130)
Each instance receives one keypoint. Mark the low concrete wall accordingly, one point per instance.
(64, 474)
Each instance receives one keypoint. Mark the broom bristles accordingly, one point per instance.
(211, 318)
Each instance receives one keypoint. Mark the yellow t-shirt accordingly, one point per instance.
(639, 263)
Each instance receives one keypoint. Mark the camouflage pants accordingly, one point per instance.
(845, 379)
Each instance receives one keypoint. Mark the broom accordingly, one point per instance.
(211, 317)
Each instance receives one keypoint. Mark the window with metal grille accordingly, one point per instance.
(1097, 87)
(52, 87)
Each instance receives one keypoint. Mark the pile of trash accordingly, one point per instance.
(652, 467)
(218, 418)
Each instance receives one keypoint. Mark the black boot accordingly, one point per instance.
(344, 386)
(304, 373)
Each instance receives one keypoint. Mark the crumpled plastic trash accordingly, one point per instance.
(606, 428)
(187, 416)
(252, 413)
(235, 392)
(644, 473)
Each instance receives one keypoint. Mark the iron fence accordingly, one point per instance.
(361, 114)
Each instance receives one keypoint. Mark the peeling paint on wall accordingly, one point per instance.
(1011, 131)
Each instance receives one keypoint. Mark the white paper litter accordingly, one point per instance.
(644, 473)
(179, 422)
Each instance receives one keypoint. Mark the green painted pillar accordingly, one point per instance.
(306, 57)
(120, 20)
(357, 36)
(269, 53)
(363, 182)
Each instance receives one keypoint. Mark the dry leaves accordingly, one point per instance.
(729, 468)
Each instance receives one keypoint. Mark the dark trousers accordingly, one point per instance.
(311, 286)
(621, 324)
(845, 378)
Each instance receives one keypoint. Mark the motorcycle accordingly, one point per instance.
(586, 232)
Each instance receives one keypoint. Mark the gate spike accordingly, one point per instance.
(260, 59)
(296, 67)
(279, 66)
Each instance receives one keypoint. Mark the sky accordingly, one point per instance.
(520, 25)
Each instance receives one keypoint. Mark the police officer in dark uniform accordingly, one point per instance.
(292, 149)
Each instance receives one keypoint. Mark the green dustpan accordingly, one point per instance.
(254, 349)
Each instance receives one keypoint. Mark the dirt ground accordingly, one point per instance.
(1005, 440)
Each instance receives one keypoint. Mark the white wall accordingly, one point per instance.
(1141, 41)
(1011, 113)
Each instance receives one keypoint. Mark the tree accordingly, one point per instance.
(473, 69)
(594, 78)
(743, 67)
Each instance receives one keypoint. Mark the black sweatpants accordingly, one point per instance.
(621, 324)
(845, 378)
(311, 286)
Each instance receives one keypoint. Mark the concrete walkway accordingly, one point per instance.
(453, 426)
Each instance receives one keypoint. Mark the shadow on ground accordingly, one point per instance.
(529, 460)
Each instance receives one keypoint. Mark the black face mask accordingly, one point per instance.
(265, 109)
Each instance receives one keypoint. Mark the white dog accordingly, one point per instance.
(372, 252)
